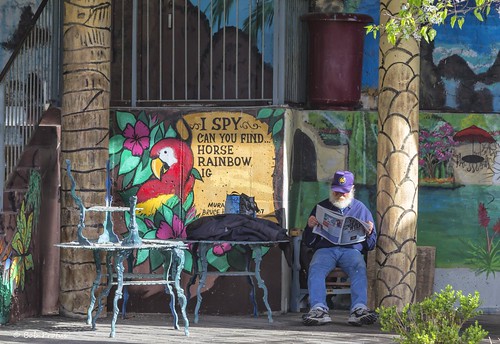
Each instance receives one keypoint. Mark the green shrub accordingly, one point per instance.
(438, 319)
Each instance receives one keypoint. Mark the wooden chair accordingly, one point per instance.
(337, 282)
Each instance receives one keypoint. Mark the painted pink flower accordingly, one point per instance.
(496, 227)
(484, 219)
(149, 223)
(136, 138)
(221, 249)
(165, 231)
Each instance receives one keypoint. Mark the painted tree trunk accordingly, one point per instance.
(84, 141)
(397, 168)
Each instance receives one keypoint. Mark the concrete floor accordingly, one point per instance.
(153, 328)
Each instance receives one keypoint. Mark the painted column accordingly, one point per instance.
(397, 168)
(85, 136)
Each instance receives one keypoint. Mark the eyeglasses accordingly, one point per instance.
(340, 193)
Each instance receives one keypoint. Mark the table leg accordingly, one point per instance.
(97, 280)
(252, 284)
(257, 250)
(130, 269)
(167, 266)
(203, 249)
(118, 267)
(179, 258)
(192, 280)
(105, 292)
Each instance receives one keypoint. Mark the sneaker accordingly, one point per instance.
(361, 316)
(316, 316)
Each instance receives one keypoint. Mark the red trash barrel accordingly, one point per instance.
(335, 63)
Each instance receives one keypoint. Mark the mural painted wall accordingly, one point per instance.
(458, 70)
(459, 169)
(181, 166)
(16, 254)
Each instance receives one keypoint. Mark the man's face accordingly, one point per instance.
(341, 199)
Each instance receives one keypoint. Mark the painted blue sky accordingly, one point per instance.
(477, 42)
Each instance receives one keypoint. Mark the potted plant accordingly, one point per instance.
(336, 41)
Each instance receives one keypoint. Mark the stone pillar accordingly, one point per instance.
(84, 139)
(397, 168)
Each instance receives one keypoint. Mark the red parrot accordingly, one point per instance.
(172, 162)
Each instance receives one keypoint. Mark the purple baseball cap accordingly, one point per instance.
(342, 181)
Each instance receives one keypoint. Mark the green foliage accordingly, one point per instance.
(439, 319)
(416, 18)
(5, 299)
(484, 255)
(484, 259)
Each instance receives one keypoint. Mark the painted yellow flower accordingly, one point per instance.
(22, 259)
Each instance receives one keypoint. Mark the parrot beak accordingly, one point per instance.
(157, 167)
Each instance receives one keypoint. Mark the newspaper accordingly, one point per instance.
(338, 229)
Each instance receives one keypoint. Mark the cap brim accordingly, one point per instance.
(343, 189)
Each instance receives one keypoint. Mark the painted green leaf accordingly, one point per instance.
(171, 132)
(142, 255)
(141, 225)
(264, 249)
(277, 126)
(21, 240)
(116, 144)
(155, 260)
(127, 179)
(168, 214)
(196, 174)
(142, 174)
(188, 261)
(28, 262)
(278, 112)
(160, 133)
(173, 201)
(127, 193)
(236, 259)
(123, 118)
(220, 263)
(114, 160)
(150, 235)
(154, 133)
(128, 162)
(189, 201)
(265, 113)
(142, 117)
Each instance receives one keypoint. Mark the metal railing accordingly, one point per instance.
(29, 83)
(192, 51)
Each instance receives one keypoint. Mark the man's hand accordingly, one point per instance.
(370, 228)
(312, 221)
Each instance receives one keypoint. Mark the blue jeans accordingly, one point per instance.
(351, 261)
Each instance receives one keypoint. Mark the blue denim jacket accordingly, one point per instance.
(356, 209)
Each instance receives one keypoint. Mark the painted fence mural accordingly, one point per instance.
(182, 165)
(459, 207)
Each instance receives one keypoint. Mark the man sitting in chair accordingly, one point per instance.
(350, 258)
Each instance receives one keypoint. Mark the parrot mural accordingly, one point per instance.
(171, 164)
